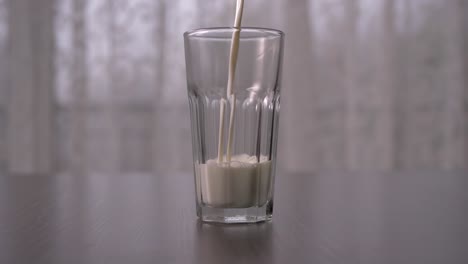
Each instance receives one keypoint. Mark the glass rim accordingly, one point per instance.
(259, 33)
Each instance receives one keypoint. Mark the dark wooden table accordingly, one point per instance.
(376, 218)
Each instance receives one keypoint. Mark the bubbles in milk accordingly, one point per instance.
(244, 182)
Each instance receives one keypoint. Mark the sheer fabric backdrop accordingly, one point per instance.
(99, 85)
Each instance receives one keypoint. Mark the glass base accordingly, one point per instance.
(236, 215)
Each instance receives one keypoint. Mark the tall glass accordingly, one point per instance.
(234, 187)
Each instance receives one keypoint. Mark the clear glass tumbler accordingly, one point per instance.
(234, 187)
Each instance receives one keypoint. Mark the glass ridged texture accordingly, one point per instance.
(240, 191)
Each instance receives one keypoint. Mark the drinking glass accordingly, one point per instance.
(234, 186)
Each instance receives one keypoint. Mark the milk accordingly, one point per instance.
(240, 181)
(230, 88)
(244, 182)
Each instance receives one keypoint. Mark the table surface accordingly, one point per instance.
(332, 217)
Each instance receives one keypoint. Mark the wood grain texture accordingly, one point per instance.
(419, 217)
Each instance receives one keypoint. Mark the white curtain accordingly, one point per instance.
(99, 85)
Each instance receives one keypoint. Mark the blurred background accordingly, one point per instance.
(99, 85)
